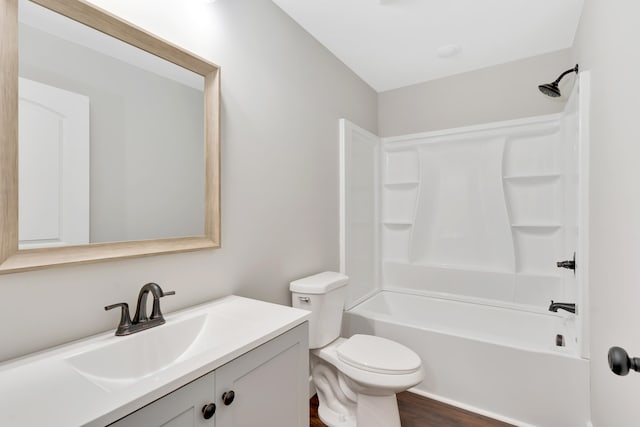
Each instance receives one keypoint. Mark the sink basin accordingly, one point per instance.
(125, 360)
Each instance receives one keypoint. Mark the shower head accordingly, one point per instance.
(552, 89)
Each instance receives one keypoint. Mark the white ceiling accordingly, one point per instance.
(395, 43)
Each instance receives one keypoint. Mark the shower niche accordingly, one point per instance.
(480, 213)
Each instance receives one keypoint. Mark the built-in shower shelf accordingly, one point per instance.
(406, 184)
(403, 224)
(549, 227)
(533, 178)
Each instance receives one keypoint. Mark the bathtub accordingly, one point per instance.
(499, 362)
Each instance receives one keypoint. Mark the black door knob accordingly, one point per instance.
(228, 396)
(208, 410)
(620, 363)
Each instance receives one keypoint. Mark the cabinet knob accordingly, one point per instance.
(208, 410)
(228, 396)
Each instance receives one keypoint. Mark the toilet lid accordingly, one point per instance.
(380, 355)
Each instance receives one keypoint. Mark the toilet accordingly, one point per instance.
(356, 378)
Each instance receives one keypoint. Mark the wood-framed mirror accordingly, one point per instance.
(106, 235)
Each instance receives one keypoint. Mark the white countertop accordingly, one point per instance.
(45, 390)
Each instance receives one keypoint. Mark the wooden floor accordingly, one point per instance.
(418, 411)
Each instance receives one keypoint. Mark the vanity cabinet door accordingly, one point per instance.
(269, 384)
(181, 408)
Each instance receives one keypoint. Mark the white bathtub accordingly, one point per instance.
(497, 361)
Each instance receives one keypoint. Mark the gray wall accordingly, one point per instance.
(607, 45)
(502, 92)
(282, 96)
(147, 132)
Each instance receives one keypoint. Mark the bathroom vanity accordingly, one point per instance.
(230, 362)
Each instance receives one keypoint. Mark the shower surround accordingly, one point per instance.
(481, 213)
(451, 240)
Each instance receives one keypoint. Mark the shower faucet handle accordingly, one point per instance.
(571, 265)
(568, 264)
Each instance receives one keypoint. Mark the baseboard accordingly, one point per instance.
(470, 408)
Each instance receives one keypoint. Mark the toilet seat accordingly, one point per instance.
(378, 355)
(377, 382)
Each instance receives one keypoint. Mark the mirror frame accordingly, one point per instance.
(13, 259)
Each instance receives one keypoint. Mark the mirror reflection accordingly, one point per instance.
(110, 138)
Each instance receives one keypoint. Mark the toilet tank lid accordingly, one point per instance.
(320, 283)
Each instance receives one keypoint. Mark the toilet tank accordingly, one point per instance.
(323, 294)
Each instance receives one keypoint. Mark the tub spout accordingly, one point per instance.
(555, 306)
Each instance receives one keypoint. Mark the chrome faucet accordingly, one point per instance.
(555, 306)
(140, 320)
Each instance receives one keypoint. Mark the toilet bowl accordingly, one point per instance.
(356, 378)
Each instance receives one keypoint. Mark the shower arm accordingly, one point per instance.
(572, 70)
